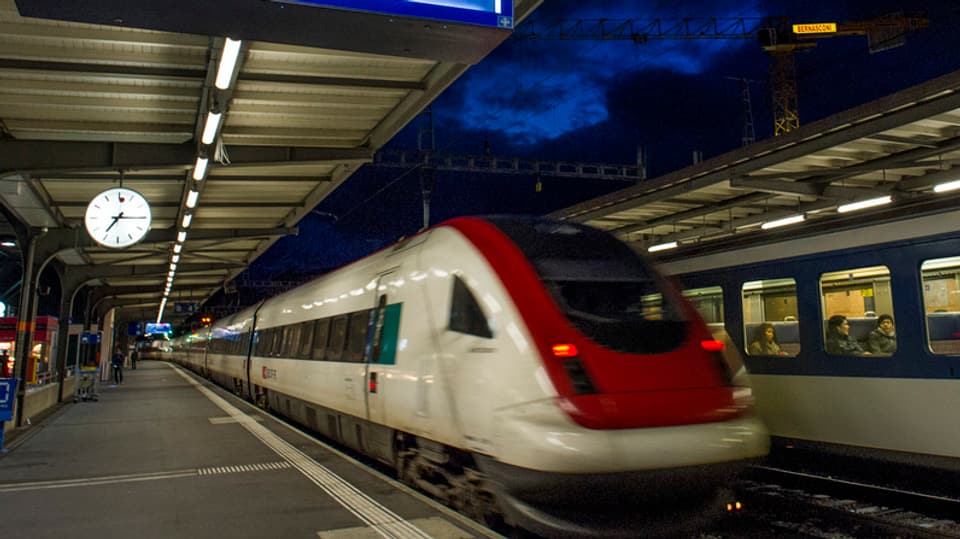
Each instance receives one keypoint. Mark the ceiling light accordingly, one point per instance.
(8, 243)
(192, 197)
(187, 218)
(869, 203)
(181, 236)
(178, 247)
(228, 60)
(200, 168)
(210, 127)
(175, 258)
(939, 188)
(662, 247)
(173, 267)
(783, 222)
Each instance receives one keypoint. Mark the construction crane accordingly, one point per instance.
(776, 35)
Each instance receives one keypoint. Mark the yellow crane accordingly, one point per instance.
(780, 38)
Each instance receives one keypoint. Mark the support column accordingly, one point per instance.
(26, 316)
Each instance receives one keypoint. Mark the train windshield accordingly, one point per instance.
(606, 289)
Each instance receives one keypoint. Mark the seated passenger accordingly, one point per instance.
(839, 341)
(883, 339)
(765, 342)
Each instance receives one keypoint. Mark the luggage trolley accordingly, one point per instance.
(89, 369)
(87, 388)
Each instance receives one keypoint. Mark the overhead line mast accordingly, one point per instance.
(776, 35)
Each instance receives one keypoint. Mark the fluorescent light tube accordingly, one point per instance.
(187, 217)
(662, 247)
(228, 60)
(869, 203)
(177, 248)
(948, 186)
(783, 222)
(192, 197)
(200, 168)
(181, 236)
(210, 127)
(175, 259)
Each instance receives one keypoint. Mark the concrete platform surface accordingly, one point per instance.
(166, 454)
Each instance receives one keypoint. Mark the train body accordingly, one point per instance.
(533, 370)
(882, 404)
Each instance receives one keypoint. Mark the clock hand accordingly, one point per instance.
(132, 216)
(115, 219)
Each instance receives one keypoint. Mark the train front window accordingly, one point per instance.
(607, 290)
(857, 312)
(770, 324)
(941, 304)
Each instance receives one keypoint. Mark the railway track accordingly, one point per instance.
(830, 507)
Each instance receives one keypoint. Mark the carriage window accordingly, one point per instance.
(857, 312)
(357, 336)
(320, 335)
(941, 304)
(306, 339)
(466, 315)
(709, 303)
(770, 323)
(338, 337)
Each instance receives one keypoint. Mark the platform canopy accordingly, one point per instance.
(902, 146)
(98, 94)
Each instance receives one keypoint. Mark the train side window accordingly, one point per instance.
(770, 317)
(940, 280)
(293, 340)
(321, 333)
(357, 336)
(338, 337)
(709, 303)
(306, 339)
(466, 315)
(856, 304)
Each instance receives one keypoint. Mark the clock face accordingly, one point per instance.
(118, 217)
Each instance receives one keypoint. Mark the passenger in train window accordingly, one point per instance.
(883, 339)
(765, 341)
(839, 341)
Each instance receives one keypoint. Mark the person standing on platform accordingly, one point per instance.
(134, 356)
(117, 363)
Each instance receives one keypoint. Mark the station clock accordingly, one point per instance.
(118, 217)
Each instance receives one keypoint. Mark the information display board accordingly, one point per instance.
(496, 13)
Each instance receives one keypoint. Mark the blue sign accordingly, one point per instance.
(496, 13)
(184, 308)
(8, 394)
(89, 338)
(162, 327)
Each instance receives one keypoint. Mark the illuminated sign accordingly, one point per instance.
(496, 13)
(815, 28)
(163, 327)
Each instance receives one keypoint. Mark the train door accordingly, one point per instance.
(381, 346)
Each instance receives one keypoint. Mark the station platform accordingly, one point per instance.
(167, 454)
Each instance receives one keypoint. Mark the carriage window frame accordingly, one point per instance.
(941, 301)
(758, 306)
(862, 317)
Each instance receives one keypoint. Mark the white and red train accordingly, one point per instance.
(517, 368)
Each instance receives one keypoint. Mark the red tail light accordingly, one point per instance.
(712, 345)
(565, 350)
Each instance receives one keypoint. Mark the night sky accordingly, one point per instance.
(596, 101)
